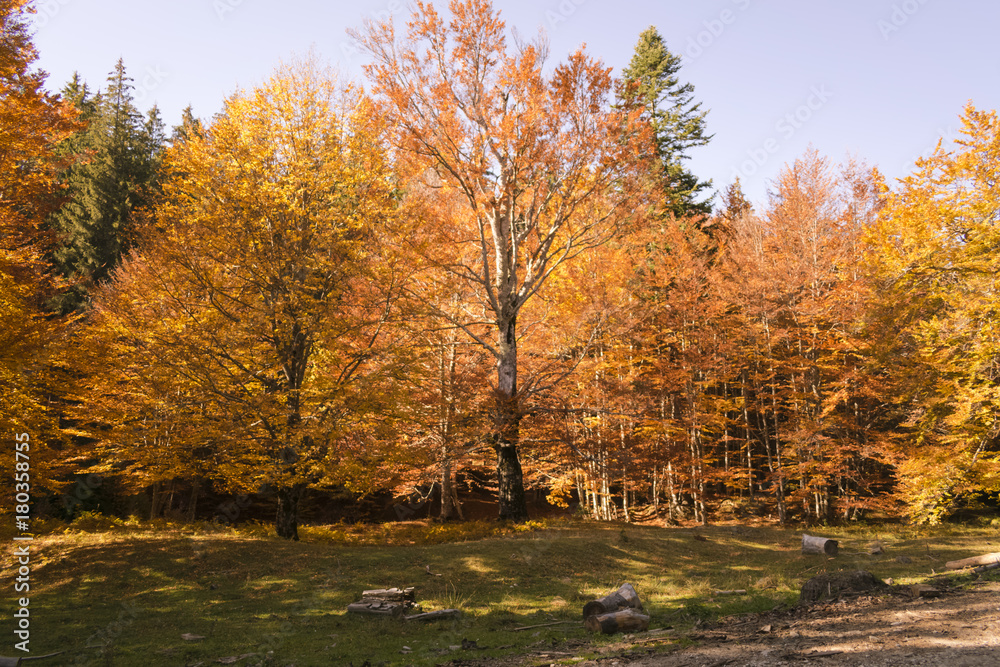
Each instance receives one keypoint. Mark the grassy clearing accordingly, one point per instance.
(125, 594)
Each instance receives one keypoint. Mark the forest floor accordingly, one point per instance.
(158, 594)
(959, 629)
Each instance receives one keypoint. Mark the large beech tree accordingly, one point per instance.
(250, 334)
(543, 165)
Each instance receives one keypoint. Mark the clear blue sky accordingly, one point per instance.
(879, 79)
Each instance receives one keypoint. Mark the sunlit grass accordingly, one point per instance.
(130, 589)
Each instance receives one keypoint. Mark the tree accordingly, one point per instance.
(544, 167)
(793, 272)
(112, 183)
(933, 255)
(678, 122)
(255, 323)
(31, 122)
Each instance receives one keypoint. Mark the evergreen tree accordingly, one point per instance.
(190, 127)
(734, 203)
(678, 122)
(112, 179)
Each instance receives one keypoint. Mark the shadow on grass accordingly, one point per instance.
(144, 599)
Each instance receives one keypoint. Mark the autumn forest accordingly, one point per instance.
(483, 272)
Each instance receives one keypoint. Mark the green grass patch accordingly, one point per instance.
(126, 593)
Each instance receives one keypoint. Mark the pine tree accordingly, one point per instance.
(111, 181)
(190, 127)
(678, 122)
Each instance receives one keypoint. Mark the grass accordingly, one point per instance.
(124, 593)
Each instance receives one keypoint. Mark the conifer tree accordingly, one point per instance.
(112, 179)
(677, 120)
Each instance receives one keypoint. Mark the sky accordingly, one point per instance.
(879, 80)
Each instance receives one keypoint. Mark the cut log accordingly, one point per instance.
(924, 591)
(626, 620)
(378, 607)
(432, 615)
(984, 568)
(624, 598)
(987, 559)
(819, 545)
(739, 591)
(392, 594)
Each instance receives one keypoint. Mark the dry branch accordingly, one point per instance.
(433, 615)
(540, 625)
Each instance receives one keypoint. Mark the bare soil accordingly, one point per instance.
(961, 628)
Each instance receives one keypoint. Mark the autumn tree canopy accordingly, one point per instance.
(933, 254)
(544, 166)
(489, 261)
(252, 329)
(32, 122)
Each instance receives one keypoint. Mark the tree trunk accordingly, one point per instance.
(510, 487)
(510, 479)
(156, 500)
(287, 521)
(193, 504)
(449, 508)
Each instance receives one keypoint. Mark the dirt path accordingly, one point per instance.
(959, 629)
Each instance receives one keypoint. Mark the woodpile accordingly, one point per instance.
(385, 602)
(395, 602)
(618, 611)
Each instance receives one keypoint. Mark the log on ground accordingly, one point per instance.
(626, 620)
(433, 615)
(393, 594)
(819, 545)
(378, 607)
(986, 559)
(624, 598)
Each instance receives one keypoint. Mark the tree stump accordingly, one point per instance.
(834, 584)
(819, 545)
(626, 620)
(624, 598)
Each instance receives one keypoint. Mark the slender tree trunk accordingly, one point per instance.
(510, 479)
(287, 521)
(154, 505)
(193, 504)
